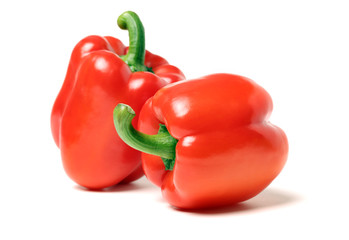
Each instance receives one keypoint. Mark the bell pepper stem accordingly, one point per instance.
(136, 53)
(161, 144)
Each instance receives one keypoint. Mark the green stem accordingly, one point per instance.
(136, 52)
(161, 144)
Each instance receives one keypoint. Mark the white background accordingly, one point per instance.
(297, 50)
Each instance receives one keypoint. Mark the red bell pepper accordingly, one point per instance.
(215, 145)
(102, 73)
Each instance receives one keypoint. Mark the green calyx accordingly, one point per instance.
(169, 163)
(161, 144)
(136, 52)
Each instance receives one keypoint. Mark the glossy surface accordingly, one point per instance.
(227, 152)
(82, 116)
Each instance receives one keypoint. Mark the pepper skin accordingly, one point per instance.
(223, 148)
(102, 73)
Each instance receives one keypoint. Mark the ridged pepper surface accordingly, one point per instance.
(102, 73)
(215, 145)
